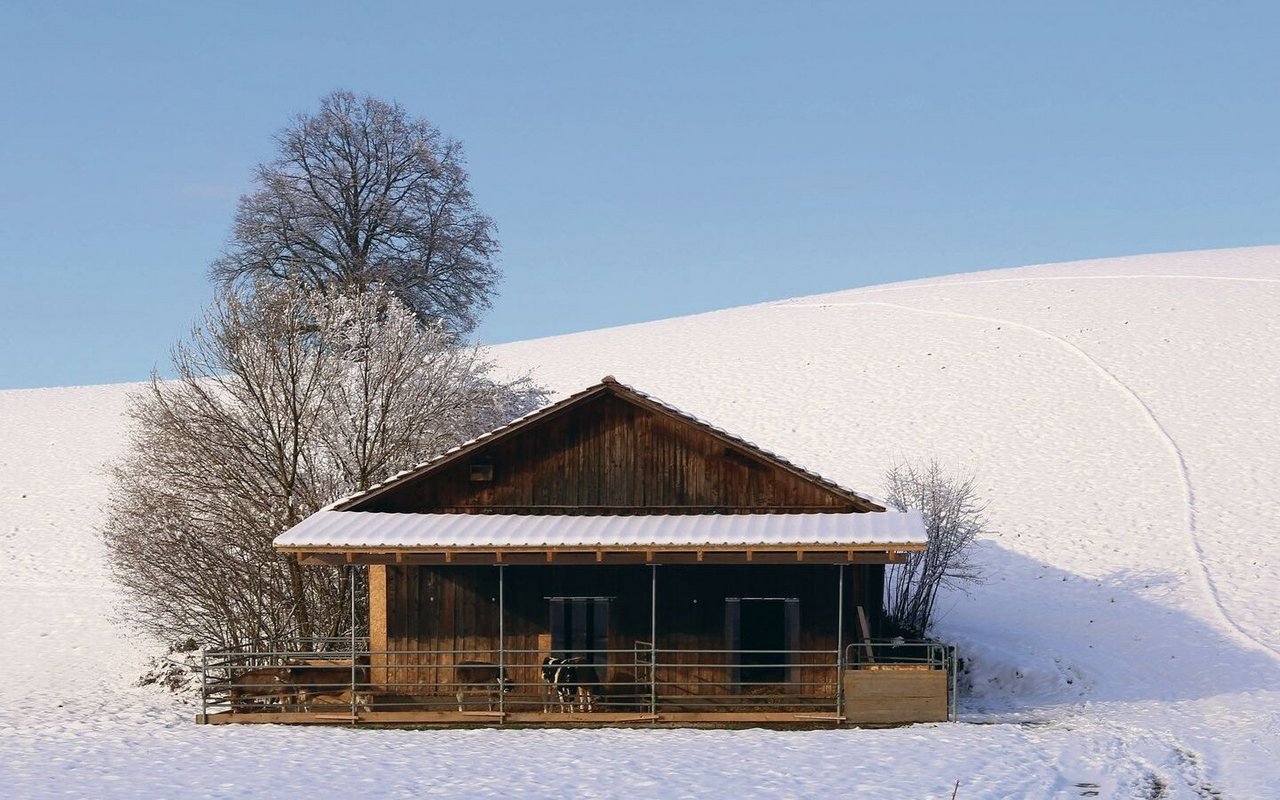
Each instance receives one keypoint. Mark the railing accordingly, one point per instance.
(643, 681)
(898, 652)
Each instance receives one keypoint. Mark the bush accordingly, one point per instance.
(284, 400)
(954, 518)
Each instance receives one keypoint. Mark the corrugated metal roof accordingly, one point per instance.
(608, 381)
(368, 529)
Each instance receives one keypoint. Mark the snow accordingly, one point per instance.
(1121, 417)
(365, 529)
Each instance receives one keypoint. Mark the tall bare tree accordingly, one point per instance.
(954, 517)
(285, 399)
(361, 194)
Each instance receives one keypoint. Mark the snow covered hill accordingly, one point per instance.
(1120, 413)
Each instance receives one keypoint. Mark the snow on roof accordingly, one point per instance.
(607, 381)
(371, 529)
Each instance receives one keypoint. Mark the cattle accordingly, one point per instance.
(328, 685)
(571, 679)
(480, 677)
(262, 686)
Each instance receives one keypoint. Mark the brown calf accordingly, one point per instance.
(329, 685)
(265, 685)
(479, 677)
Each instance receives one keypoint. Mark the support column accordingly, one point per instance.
(351, 570)
(378, 608)
(502, 642)
(653, 639)
(840, 642)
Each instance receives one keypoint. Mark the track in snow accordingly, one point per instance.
(1197, 551)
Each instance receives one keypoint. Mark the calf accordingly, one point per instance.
(571, 678)
(320, 686)
(480, 677)
(265, 685)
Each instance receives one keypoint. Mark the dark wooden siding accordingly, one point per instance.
(455, 608)
(611, 456)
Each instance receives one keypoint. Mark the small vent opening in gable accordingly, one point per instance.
(481, 471)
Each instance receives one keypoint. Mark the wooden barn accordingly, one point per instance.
(607, 559)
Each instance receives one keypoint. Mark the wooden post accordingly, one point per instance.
(378, 658)
(866, 635)
(840, 642)
(502, 643)
(653, 640)
(352, 570)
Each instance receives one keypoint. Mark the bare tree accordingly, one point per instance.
(284, 399)
(954, 517)
(405, 390)
(362, 194)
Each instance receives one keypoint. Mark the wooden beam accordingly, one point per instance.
(865, 630)
(592, 718)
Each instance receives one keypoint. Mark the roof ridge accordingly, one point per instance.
(607, 382)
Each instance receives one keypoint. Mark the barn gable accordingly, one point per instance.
(609, 450)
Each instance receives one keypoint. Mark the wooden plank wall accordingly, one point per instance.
(456, 608)
(612, 456)
(895, 696)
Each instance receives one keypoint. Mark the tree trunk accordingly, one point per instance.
(301, 612)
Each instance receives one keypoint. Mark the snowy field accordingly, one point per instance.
(1122, 415)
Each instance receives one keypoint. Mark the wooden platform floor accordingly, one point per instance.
(523, 718)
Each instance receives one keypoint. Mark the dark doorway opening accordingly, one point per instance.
(580, 625)
(765, 630)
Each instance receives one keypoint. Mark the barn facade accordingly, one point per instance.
(607, 559)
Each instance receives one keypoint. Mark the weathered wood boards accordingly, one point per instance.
(612, 453)
(592, 719)
(454, 610)
(893, 696)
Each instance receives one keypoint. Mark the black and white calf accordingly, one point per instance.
(571, 679)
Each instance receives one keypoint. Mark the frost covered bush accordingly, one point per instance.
(953, 517)
(284, 399)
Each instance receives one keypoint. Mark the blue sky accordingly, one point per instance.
(642, 160)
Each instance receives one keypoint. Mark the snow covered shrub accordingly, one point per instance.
(176, 671)
(953, 519)
(284, 400)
